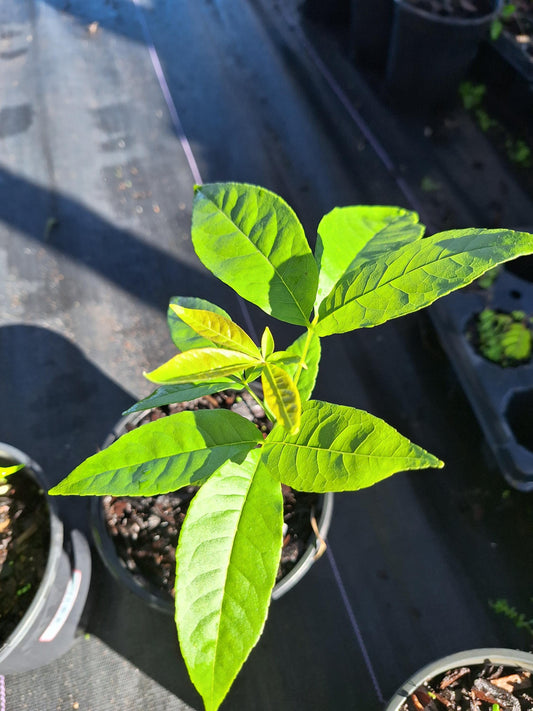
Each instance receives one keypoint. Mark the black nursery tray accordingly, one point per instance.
(502, 397)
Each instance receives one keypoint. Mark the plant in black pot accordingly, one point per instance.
(370, 265)
(432, 44)
(44, 570)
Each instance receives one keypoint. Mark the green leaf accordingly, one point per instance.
(281, 396)
(349, 236)
(340, 449)
(7, 471)
(164, 455)
(267, 343)
(171, 394)
(183, 335)
(199, 365)
(307, 346)
(252, 240)
(415, 275)
(217, 329)
(226, 564)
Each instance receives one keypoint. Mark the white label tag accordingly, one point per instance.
(64, 609)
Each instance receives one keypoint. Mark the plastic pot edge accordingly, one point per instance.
(497, 655)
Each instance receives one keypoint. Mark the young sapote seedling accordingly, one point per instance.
(371, 264)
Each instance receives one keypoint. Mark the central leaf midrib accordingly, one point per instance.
(306, 318)
(228, 568)
(163, 458)
(336, 451)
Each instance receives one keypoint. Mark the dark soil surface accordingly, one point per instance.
(24, 543)
(483, 687)
(467, 9)
(145, 530)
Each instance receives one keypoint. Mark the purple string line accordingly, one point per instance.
(158, 69)
(2, 693)
(354, 625)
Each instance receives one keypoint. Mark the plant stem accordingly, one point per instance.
(304, 353)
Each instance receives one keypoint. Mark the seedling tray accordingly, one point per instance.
(501, 397)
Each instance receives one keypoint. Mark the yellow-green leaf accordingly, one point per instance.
(267, 343)
(218, 329)
(281, 397)
(200, 365)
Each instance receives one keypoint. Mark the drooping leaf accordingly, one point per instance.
(415, 275)
(217, 329)
(161, 456)
(310, 348)
(339, 448)
(200, 365)
(281, 396)
(170, 394)
(252, 240)
(267, 343)
(183, 335)
(226, 563)
(349, 236)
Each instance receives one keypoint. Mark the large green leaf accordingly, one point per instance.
(281, 396)
(164, 455)
(217, 329)
(183, 335)
(340, 449)
(307, 346)
(252, 240)
(7, 471)
(199, 365)
(226, 563)
(415, 275)
(349, 236)
(170, 394)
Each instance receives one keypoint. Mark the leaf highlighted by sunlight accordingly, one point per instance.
(161, 456)
(183, 336)
(281, 396)
(226, 564)
(217, 329)
(201, 364)
(252, 240)
(415, 275)
(339, 448)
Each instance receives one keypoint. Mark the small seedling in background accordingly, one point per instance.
(488, 279)
(496, 27)
(519, 619)
(504, 338)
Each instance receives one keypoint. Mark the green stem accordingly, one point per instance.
(307, 343)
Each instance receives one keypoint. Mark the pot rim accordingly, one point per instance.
(114, 565)
(54, 554)
(460, 21)
(497, 655)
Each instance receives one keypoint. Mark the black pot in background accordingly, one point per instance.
(330, 12)
(370, 29)
(49, 627)
(429, 55)
(142, 587)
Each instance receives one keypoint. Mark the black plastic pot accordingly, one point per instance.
(429, 55)
(502, 398)
(370, 29)
(496, 656)
(151, 594)
(329, 12)
(49, 627)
